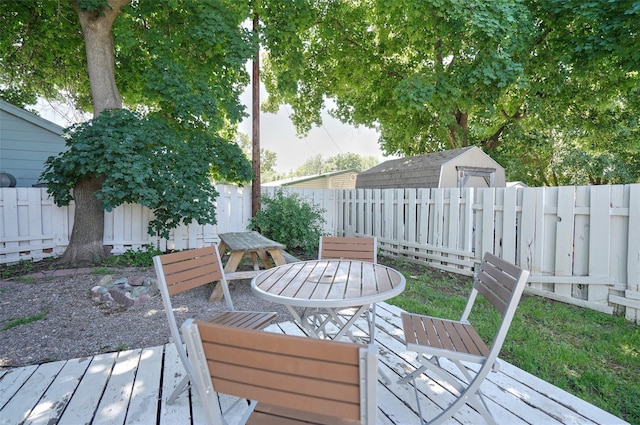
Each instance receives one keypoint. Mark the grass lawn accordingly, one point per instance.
(592, 355)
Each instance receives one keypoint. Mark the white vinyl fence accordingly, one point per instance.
(33, 227)
(581, 244)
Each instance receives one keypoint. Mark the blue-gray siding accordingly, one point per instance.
(26, 141)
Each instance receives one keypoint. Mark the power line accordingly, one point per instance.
(325, 130)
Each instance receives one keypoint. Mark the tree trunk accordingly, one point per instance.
(86, 243)
(86, 246)
(458, 132)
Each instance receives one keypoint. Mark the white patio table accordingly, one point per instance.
(316, 291)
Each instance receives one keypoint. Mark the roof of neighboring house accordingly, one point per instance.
(299, 179)
(30, 117)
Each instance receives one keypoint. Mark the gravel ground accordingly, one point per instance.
(74, 326)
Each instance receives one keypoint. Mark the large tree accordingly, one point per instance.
(525, 80)
(177, 65)
(581, 99)
(415, 70)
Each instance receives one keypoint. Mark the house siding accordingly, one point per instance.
(26, 141)
(335, 180)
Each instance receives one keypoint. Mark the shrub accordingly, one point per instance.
(288, 219)
(142, 257)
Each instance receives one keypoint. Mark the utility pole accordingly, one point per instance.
(255, 114)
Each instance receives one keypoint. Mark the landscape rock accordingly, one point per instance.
(122, 292)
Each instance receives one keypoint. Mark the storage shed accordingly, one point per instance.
(464, 167)
(26, 141)
(345, 179)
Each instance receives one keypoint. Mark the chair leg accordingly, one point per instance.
(476, 399)
(412, 376)
(470, 394)
(179, 389)
(415, 391)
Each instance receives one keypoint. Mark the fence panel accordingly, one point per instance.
(581, 244)
(564, 238)
(581, 240)
(508, 241)
(599, 241)
(631, 297)
(28, 229)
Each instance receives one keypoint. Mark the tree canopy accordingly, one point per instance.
(543, 86)
(549, 88)
(178, 66)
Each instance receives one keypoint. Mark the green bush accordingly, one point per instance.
(288, 219)
(142, 257)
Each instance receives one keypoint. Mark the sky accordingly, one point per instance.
(277, 134)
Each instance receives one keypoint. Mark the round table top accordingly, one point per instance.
(328, 283)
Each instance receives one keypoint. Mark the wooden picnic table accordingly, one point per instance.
(240, 244)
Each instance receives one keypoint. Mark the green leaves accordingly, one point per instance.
(42, 52)
(303, 226)
(190, 60)
(409, 68)
(181, 62)
(437, 74)
(144, 160)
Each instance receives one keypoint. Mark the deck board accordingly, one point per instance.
(83, 404)
(146, 389)
(114, 403)
(58, 394)
(131, 387)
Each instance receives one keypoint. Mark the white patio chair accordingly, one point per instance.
(180, 271)
(290, 379)
(434, 339)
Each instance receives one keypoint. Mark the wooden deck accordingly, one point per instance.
(130, 387)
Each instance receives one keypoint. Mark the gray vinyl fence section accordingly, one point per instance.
(581, 244)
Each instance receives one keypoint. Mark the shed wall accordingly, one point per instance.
(472, 158)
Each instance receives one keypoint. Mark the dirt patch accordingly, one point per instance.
(49, 318)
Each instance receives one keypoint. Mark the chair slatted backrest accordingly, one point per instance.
(497, 280)
(311, 375)
(189, 269)
(181, 271)
(349, 248)
(502, 284)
